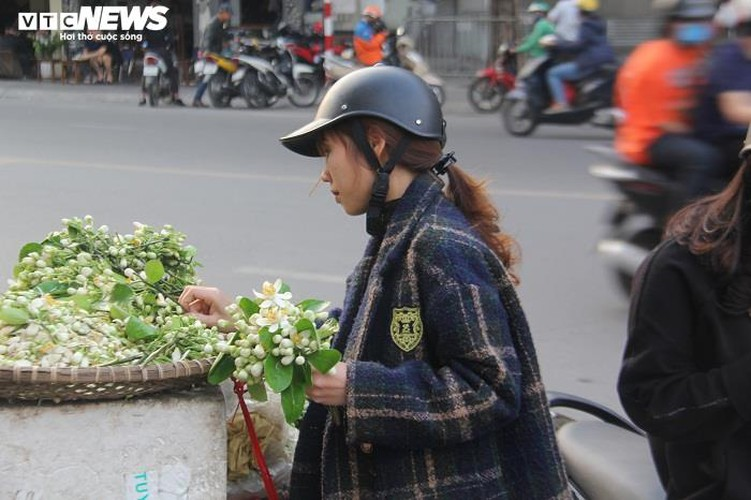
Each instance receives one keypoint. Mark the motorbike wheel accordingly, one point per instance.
(648, 240)
(252, 93)
(439, 93)
(484, 96)
(217, 95)
(152, 90)
(519, 118)
(305, 91)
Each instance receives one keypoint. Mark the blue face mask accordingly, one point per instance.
(693, 33)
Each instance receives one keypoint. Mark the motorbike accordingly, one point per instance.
(637, 219)
(398, 50)
(155, 79)
(488, 90)
(590, 98)
(606, 457)
(282, 76)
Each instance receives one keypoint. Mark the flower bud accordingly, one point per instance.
(287, 360)
(300, 360)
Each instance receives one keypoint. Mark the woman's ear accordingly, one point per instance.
(378, 145)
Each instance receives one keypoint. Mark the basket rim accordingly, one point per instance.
(104, 374)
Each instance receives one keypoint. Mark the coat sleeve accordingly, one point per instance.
(472, 388)
(532, 40)
(660, 385)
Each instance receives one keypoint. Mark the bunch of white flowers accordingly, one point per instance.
(86, 297)
(276, 342)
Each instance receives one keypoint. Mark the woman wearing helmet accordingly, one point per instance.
(590, 50)
(439, 393)
(370, 33)
(541, 28)
(439, 387)
(686, 374)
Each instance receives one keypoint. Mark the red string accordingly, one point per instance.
(268, 483)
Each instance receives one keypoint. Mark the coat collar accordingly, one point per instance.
(422, 193)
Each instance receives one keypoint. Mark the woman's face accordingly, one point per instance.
(349, 178)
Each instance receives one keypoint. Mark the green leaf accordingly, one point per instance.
(303, 375)
(248, 307)
(293, 403)
(17, 270)
(284, 288)
(118, 311)
(325, 359)
(54, 288)
(122, 294)
(149, 298)
(257, 392)
(313, 305)
(136, 329)
(221, 369)
(278, 376)
(29, 248)
(303, 325)
(82, 302)
(266, 338)
(154, 271)
(14, 316)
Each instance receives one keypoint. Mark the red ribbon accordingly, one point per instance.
(268, 483)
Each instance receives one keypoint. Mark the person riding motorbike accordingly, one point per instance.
(541, 28)
(725, 104)
(591, 50)
(657, 88)
(162, 42)
(370, 33)
(566, 19)
(213, 41)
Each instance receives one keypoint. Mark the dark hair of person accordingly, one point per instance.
(468, 194)
(713, 226)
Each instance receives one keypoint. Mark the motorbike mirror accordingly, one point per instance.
(400, 31)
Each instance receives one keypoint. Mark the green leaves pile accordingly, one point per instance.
(87, 297)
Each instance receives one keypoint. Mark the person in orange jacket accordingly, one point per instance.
(370, 33)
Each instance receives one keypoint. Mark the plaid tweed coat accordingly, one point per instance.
(444, 396)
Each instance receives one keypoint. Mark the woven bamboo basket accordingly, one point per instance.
(109, 382)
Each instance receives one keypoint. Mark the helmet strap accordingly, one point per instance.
(374, 224)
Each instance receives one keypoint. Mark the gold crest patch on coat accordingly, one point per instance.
(406, 327)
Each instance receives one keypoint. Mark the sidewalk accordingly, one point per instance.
(129, 93)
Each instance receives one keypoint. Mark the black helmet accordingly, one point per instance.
(392, 94)
(688, 9)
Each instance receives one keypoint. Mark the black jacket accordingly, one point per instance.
(591, 49)
(686, 377)
(214, 36)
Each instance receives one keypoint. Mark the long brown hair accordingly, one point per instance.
(468, 194)
(713, 226)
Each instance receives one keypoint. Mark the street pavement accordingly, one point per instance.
(252, 209)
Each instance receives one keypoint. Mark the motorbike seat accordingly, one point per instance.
(608, 462)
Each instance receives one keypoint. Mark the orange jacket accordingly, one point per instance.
(369, 52)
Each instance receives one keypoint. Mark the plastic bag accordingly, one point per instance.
(277, 438)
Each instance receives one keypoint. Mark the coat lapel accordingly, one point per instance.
(424, 191)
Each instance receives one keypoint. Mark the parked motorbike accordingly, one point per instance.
(590, 98)
(489, 88)
(282, 76)
(155, 79)
(607, 458)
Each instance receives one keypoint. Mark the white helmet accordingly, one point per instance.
(733, 13)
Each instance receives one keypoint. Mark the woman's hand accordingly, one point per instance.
(205, 304)
(329, 388)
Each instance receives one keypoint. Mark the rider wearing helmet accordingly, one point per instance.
(725, 103)
(590, 51)
(370, 33)
(541, 28)
(657, 88)
(435, 345)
